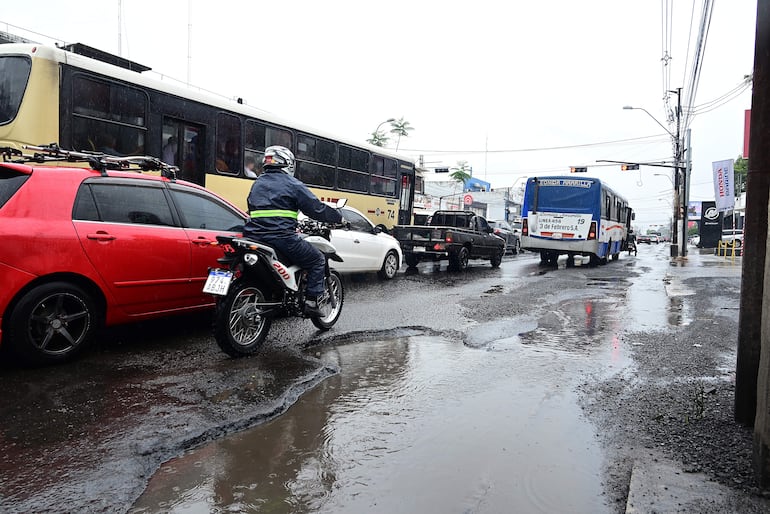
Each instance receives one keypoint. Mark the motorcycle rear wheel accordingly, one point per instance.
(238, 329)
(331, 309)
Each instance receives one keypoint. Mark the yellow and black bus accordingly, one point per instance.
(88, 100)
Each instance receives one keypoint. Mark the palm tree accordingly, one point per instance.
(400, 127)
(378, 138)
(460, 174)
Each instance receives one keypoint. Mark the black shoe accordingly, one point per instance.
(312, 309)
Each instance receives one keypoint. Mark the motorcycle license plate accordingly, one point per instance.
(218, 282)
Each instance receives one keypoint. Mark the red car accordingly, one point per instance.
(84, 248)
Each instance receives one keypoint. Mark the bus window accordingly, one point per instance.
(353, 169)
(192, 165)
(259, 136)
(170, 142)
(315, 161)
(107, 117)
(14, 72)
(275, 136)
(228, 144)
(384, 173)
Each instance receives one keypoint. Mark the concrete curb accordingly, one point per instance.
(661, 486)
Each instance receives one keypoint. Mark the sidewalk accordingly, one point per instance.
(661, 486)
(658, 484)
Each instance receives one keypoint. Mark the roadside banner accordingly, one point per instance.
(724, 190)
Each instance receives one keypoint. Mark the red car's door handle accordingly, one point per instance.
(101, 236)
(202, 241)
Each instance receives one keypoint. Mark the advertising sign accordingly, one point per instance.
(710, 229)
(724, 189)
(694, 211)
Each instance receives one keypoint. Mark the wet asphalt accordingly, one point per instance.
(436, 392)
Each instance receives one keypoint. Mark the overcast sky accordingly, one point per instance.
(515, 88)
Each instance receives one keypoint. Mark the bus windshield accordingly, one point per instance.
(562, 195)
(14, 74)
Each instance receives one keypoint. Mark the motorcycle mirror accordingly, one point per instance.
(341, 202)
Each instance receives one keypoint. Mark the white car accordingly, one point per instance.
(733, 236)
(364, 247)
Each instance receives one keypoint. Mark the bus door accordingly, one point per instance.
(406, 203)
(183, 147)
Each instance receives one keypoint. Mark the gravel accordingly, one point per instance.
(676, 402)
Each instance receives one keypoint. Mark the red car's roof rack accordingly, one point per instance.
(98, 161)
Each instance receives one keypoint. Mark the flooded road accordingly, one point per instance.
(428, 423)
(415, 424)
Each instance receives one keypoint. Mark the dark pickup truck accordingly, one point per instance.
(454, 235)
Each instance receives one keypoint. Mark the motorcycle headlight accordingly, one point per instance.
(250, 259)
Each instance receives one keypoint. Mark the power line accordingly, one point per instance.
(652, 139)
(722, 99)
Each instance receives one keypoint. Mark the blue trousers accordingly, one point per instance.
(303, 254)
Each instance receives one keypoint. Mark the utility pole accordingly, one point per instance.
(686, 192)
(677, 175)
(752, 373)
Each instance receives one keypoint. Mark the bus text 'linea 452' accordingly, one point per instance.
(88, 100)
(571, 216)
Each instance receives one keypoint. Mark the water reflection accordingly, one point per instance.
(416, 424)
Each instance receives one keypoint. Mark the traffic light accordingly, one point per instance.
(578, 169)
(626, 167)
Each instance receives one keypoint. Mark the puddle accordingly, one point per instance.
(413, 424)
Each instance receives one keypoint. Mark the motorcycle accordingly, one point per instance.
(257, 285)
(631, 246)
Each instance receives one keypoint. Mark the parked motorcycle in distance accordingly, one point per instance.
(256, 285)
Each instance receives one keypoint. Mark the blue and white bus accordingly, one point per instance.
(574, 216)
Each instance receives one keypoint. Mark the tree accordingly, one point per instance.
(400, 127)
(460, 174)
(378, 138)
(740, 170)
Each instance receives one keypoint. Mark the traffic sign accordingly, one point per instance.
(467, 199)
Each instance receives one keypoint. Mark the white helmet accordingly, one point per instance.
(279, 157)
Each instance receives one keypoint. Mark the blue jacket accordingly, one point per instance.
(274, 201)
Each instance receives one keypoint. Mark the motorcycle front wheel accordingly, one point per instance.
(239, 328)
(331, 303)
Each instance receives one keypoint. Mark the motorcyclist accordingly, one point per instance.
(274, 201)
(631, 241)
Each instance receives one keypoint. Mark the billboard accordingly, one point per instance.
(694, 211)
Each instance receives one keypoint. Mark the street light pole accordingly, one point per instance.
(676, 182)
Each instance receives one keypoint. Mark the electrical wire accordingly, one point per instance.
(657, 138)
(692, 89)
(721, 100)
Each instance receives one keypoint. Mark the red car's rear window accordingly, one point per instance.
(10, 182)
